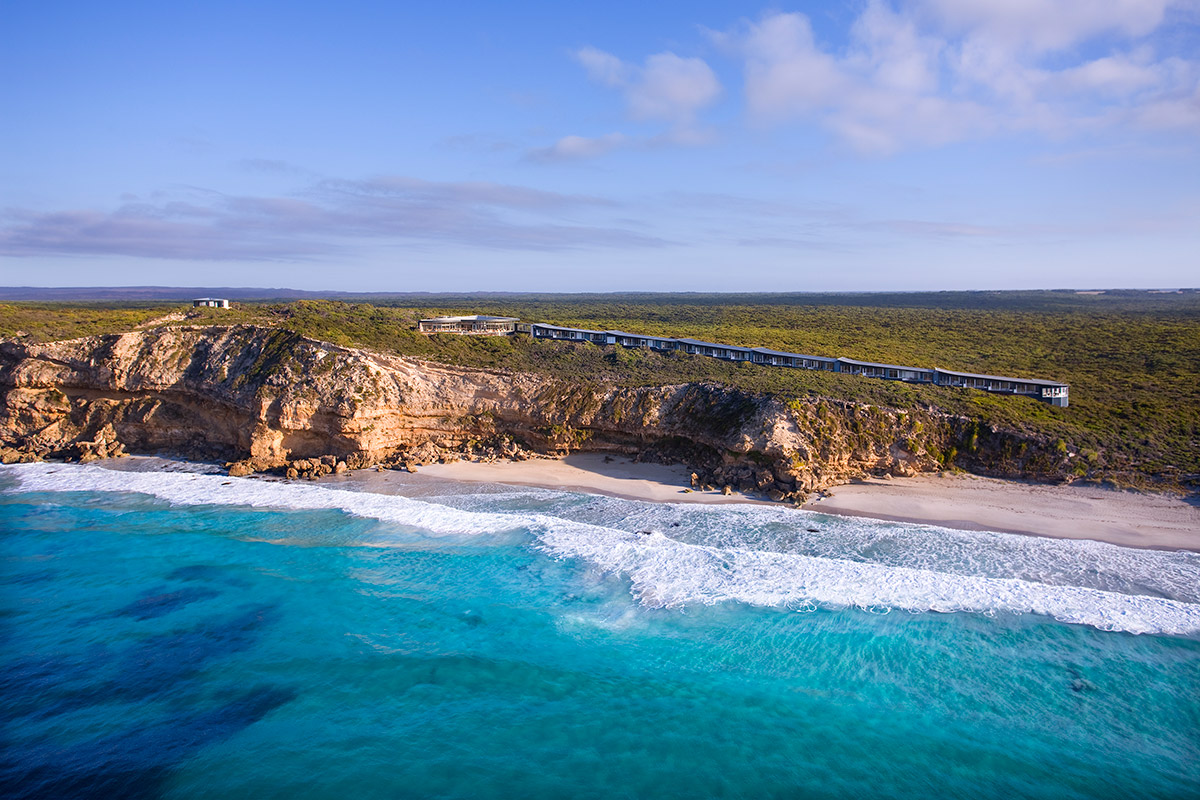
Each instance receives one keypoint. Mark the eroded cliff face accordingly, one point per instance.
(266, 398)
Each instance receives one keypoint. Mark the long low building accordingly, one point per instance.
(1052, 392)
(894, 372)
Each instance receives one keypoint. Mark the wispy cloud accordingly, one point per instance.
(326, 218)
(666, 88)
(400, 190)
(1044, 25)
(569, 148)
(754, 222)
(269, 166)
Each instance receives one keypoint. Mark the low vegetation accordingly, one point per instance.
(1132, 358)
(43, 322)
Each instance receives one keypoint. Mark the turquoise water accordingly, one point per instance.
(183, 635)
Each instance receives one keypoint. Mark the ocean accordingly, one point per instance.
(175, 633)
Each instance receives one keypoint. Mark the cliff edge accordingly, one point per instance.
(267, 398)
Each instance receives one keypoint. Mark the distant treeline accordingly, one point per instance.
(1044, 300)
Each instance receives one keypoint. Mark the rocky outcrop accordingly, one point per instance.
(265, 398)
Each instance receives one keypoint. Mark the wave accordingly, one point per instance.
(195, 488)
(669, 573)
(1070, 562)
(704, 562)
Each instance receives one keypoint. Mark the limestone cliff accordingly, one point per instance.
(267, 398)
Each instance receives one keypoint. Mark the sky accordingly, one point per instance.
(624, 146)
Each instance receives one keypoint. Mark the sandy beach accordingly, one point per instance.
(590, 472)
(971, 502)
(965, 502)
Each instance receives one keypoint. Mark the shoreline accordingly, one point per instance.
(977, 503)
(959, 501)
(592, 473)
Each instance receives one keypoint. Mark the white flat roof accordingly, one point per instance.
(769, 352)
(858, 363)
(561, 328)
(714, 345)
(632, 335)
(1036, 381)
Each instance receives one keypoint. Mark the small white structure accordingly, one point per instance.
(210, 302)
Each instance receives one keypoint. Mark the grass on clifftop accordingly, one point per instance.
(44, 322)
(1132, 358)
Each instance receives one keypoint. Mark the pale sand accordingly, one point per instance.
(594, 473)
(970, 502)
(965, 502)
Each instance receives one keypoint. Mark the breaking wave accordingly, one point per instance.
(677, 555)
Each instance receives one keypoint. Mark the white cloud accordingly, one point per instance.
(923, 73)
(1118, 74)
(604, 68)
(879, 95)
(673, 88)
(942, 71)
(1180, 111)
(1044, 25)
(894, 53)
(786, 73)
(668, 87)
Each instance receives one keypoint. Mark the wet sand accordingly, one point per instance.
(589, 472)
(962, 501)
(970, 502)
(965, 502)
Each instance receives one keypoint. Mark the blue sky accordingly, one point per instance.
(700, 146)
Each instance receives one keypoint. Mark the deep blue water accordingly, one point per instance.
(200, 637)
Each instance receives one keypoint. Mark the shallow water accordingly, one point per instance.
(185, 635)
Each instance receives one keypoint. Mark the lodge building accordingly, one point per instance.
(477, 325)
(1051, 392)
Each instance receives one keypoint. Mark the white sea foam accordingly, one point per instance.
(666, 572)
(184, 488)
(781, 568)
(1069, 562)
